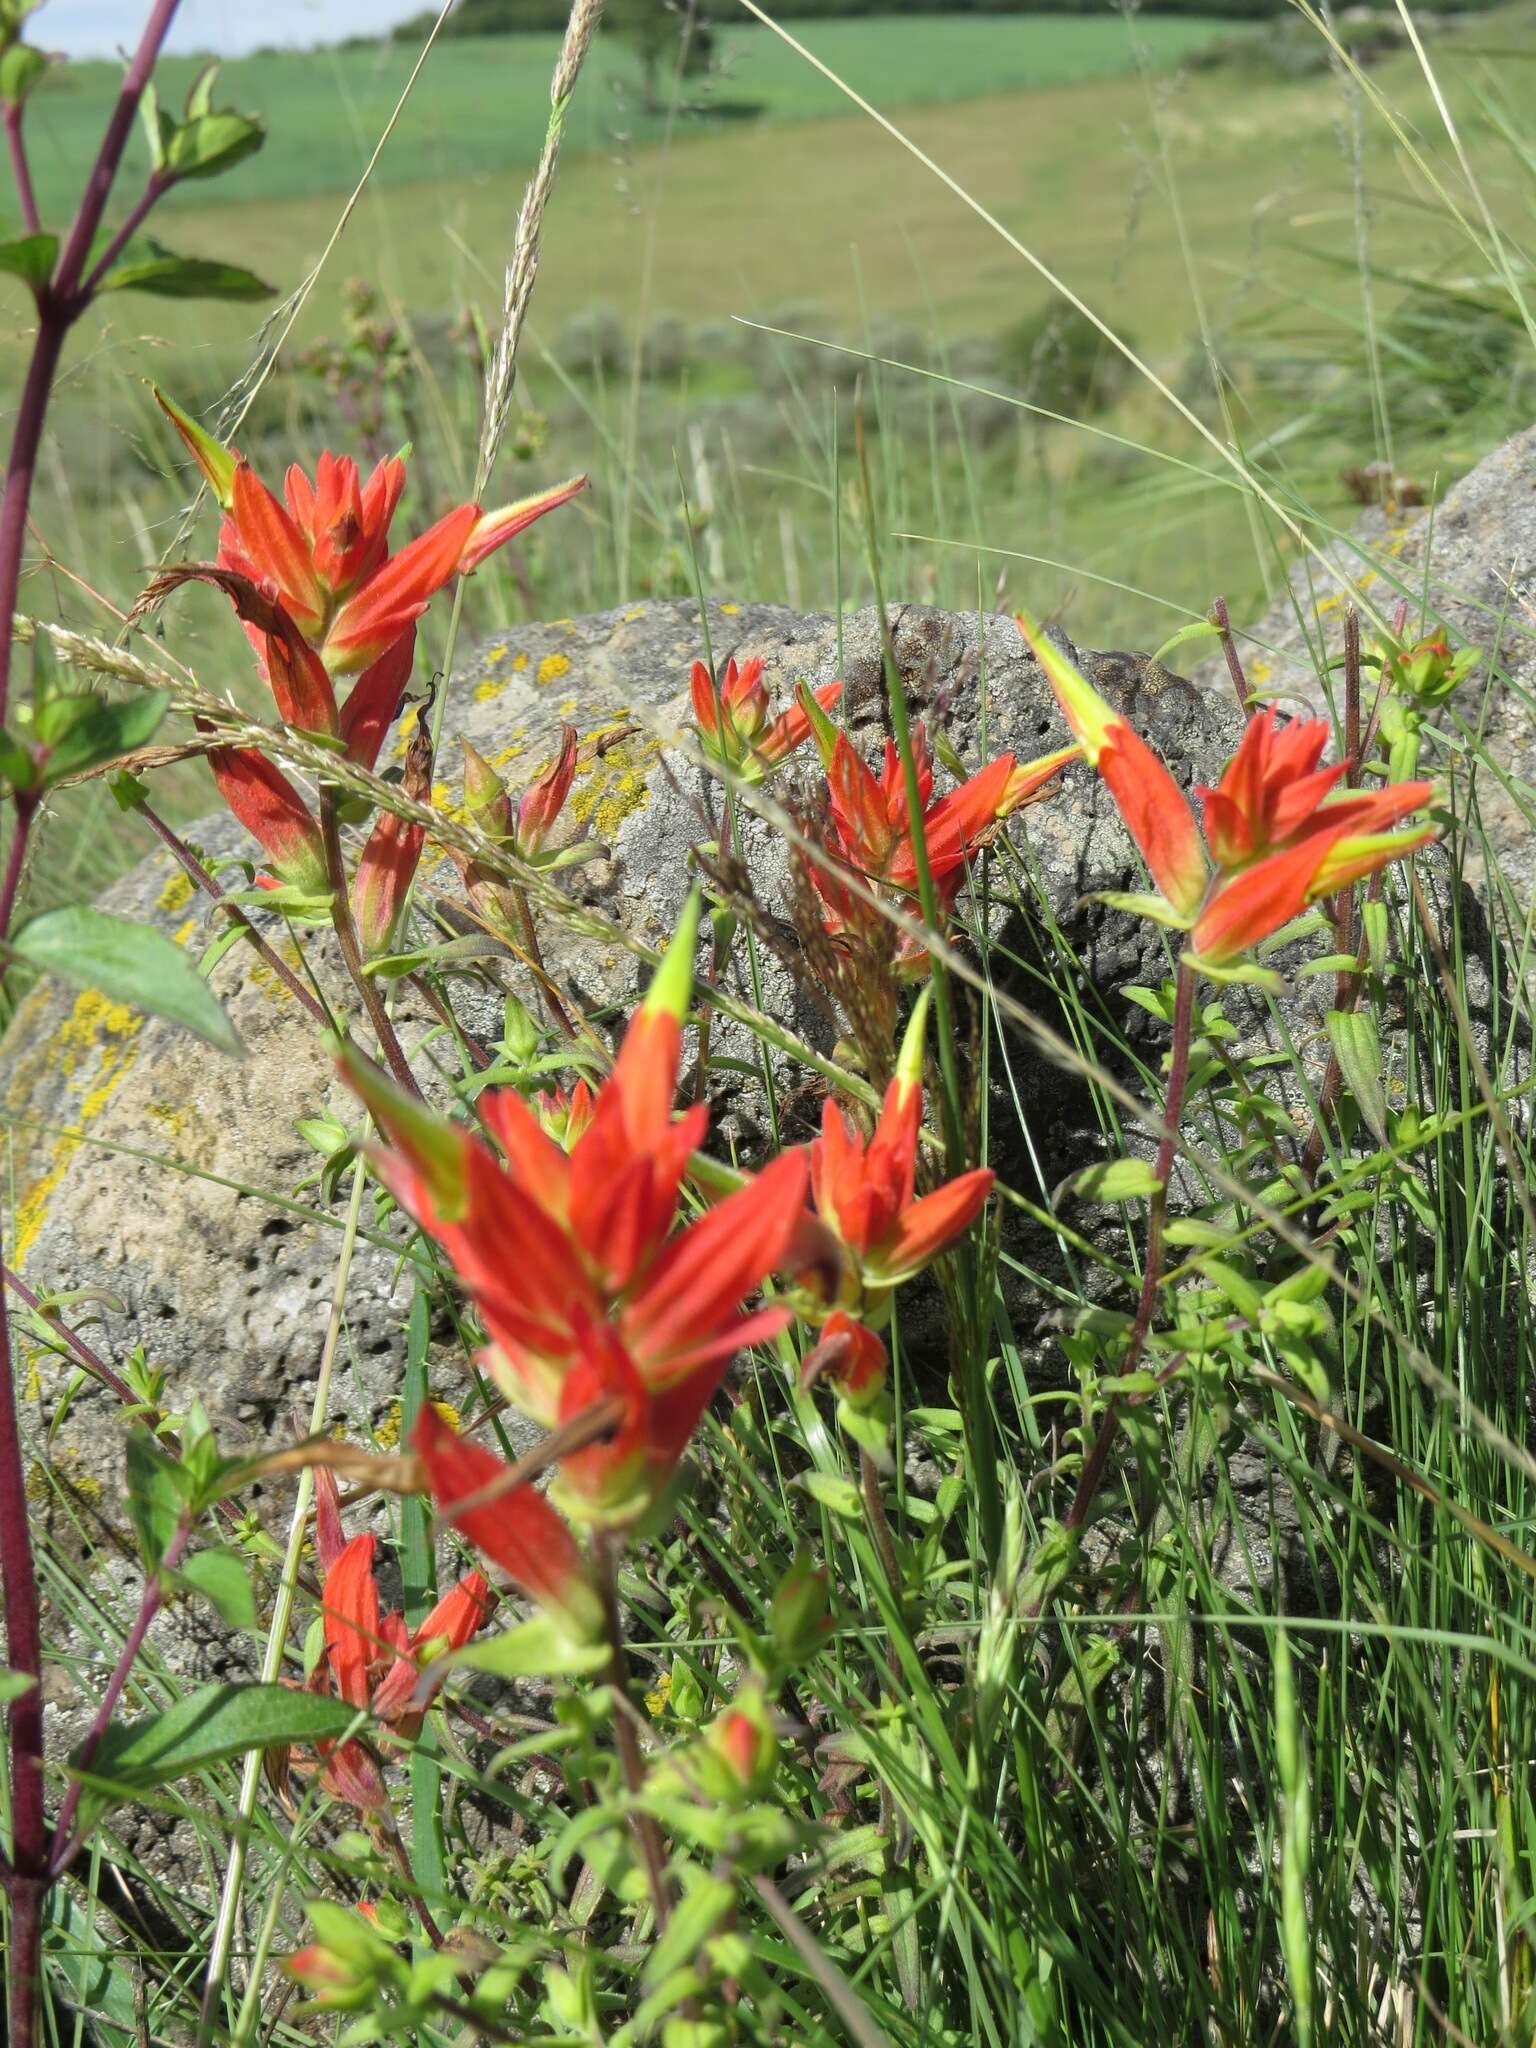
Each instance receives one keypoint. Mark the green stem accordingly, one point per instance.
(1152, 1272)
(647, 1835)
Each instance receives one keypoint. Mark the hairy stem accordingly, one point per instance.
(1157, 1219)
(352, 952)
(1221, 620)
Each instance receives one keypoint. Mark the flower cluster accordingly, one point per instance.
(872, 834)
(1279, 833)
(322, 599)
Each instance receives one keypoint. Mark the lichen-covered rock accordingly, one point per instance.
(166, 1178)
(1471, 565)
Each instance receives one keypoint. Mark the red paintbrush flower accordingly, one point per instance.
(514, 1526)
(322, 551)
(870, 1229)
(872, 832)
(372, 1660)
(733, 724)
(1278, 834)
(553, 1244)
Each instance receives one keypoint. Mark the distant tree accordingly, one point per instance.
(670, 39)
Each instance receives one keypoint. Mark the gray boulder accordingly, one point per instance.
(1470, 564)
(166, 1179)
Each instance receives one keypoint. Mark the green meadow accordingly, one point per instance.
(1249, 235)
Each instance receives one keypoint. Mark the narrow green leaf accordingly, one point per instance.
(147, 266)
(835, 1493)
(1357, 1048)
(209, 1725)
(132, 963)
(13, 1684)
(538, 1647)
(155, 1499)
(693, 1920)
(1113, 1180)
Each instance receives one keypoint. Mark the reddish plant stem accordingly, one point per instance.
(352, 952)
(26, 811)
(95, 1366)
(21, 170)
(66, 1844)
(98, 186)
(121, 236)
(1152, 1270)
(26, 438)
(1221, 620)
(205, 881)
(59, 305)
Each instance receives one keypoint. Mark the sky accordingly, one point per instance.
(102, 28)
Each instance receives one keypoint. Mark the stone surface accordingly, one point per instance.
(166, 1178)
(1471, 564)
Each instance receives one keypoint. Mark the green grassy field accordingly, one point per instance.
(481, 105)
(1211, 216)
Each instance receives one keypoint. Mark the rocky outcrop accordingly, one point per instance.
(1468, 563)
(168, 1180)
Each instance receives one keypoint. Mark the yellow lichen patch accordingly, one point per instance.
(61, 1474)
(176, 894)
(498, 652)
(730, 610)
(637, 613)
(387, 1431)
(519, 661)
(403, 736)
(1259, 670)
(508, 753)
(657, 1698)
(551, 668)
(607, 789)
(169, 1117)
(448, 1412)
(442, 796)
(184, 930)
(568, 707)
(488, 691)
(92, 1049)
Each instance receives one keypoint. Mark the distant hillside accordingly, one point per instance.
(512, 17)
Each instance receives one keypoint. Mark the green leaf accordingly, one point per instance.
(31, 258)
(1200, 629)
(1357, 1048)
(146, 265)
(103, 731)
(1139, 903)
(20, 68)
(220, 1576)
(16, 762)
(538, 1647)
(694, 1918)
(215, 1722)
(132, 963)
(13, 1684)
(155, 1496)
(840, 1496)
(210, 144)
(1114, 1180)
